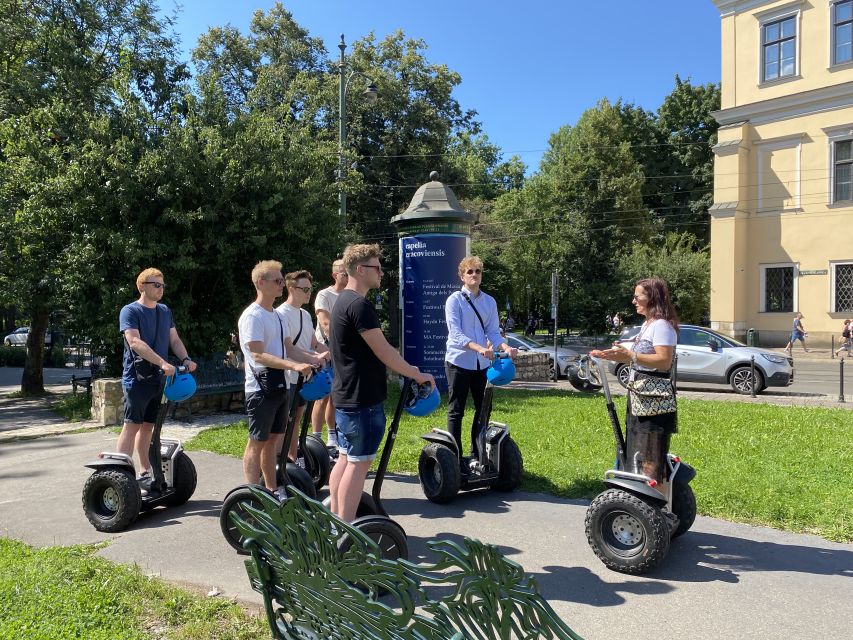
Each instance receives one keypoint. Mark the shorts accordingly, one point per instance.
(291, 394)
(266, 415)
(142, 402)
(797, 335)
(360, 431)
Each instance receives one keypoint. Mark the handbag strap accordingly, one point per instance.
(281, 337)
(479, 317)
(299, 333)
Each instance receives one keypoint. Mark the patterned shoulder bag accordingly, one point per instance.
(650, 394)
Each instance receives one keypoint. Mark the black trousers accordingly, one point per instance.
(459, 383)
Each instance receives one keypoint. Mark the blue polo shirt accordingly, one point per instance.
(463, 327)
(137, 316)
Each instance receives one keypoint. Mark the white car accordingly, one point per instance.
(564, 356)
(707, 356)
(18, 338)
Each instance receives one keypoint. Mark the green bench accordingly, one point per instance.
(213, 376)
(312, 590)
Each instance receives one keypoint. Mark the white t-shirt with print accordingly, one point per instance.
(325, 300)
(301, 336)
(655, 333)
(256, 324)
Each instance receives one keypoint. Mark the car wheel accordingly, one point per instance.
(741, 380)
(622, 374)
(8, 343)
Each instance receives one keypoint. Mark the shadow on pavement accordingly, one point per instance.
(167, 516)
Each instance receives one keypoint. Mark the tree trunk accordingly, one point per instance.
(32, 382)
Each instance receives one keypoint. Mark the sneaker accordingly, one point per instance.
(280, 494)
(145, 480)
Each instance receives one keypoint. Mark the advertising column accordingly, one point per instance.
(428, 275)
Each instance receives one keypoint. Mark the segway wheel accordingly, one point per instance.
(438, 470)
(301, 479)
(318, 464)
(236, 502)
(512, 466)
(387, 534)
(627, 534)
(185, 481)
(579, 383)
(111, 499)
(684, 506)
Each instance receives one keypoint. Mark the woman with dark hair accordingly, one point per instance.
(651, 414)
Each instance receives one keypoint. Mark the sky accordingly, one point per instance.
(528, 67)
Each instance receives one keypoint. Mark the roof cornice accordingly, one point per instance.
(729, 7)
(837, 96)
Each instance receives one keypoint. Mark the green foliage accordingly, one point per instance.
(12, 356)
(62, 593)
(680, 262)
(74, 407)
(781, 466)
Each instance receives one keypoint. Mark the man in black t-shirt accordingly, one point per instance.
(360, 354)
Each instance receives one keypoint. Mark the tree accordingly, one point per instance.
(683, 263)
(57, 107)
(577, 215)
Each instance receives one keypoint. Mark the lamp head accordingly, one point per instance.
(371, 94)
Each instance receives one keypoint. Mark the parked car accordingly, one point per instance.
(564, 356)
(707, 356)
(18, 338)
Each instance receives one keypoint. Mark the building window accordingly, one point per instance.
(778, 289)
(842, 32)
(779, 48)
(843, 170)
(842, 277)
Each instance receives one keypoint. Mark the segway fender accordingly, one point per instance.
(684, 474)
(441, 436)
(107, 460)
(637, 488)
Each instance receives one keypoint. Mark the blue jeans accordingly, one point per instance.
(360, 431)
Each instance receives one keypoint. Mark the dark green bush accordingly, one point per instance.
(12, 356)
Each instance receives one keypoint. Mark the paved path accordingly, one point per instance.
(720, 580)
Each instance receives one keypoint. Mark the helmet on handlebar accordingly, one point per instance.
(318, 386)
(501, 372)
(423, 400)
(180, 387)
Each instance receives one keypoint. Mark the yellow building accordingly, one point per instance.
(781, 223)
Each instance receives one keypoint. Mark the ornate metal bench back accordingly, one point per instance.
(311, 590)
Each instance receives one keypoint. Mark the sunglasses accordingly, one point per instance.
(373, 266)
(471, 272)
(304, 289)
(342, 273)
(278, 281)
(156, 285)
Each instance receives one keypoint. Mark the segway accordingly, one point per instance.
(112, 497)
(498, 463)
(629, 526)
(371, 517)
(286, 473)
(312, 454)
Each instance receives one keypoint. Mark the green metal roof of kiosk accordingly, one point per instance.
(434, 202)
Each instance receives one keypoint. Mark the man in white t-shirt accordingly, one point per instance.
(262, 341)
(324, 410)
(300, 334)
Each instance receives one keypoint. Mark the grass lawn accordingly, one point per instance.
(74, 407)
(60, 593)
(785, 467)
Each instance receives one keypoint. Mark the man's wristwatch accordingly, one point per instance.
(186, 359)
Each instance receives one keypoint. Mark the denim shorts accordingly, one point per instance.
(360, 431)
(142, 402)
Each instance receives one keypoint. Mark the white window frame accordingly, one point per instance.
(762, 306)
(832, 63)
(832, 266)
(765, 18)
(836, 134)
(761, 147)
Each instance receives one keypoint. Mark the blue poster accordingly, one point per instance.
(428, 271)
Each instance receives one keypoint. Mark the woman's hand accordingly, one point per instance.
(617, 353)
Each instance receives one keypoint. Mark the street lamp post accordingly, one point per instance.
(371, 94)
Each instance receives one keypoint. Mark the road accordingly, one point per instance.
(720, 580)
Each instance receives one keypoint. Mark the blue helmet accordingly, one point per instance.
(318, 386)
(501, 372)
(423, 400)
(180, 387)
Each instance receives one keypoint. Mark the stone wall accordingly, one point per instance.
(108, 402)
(531, 367)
